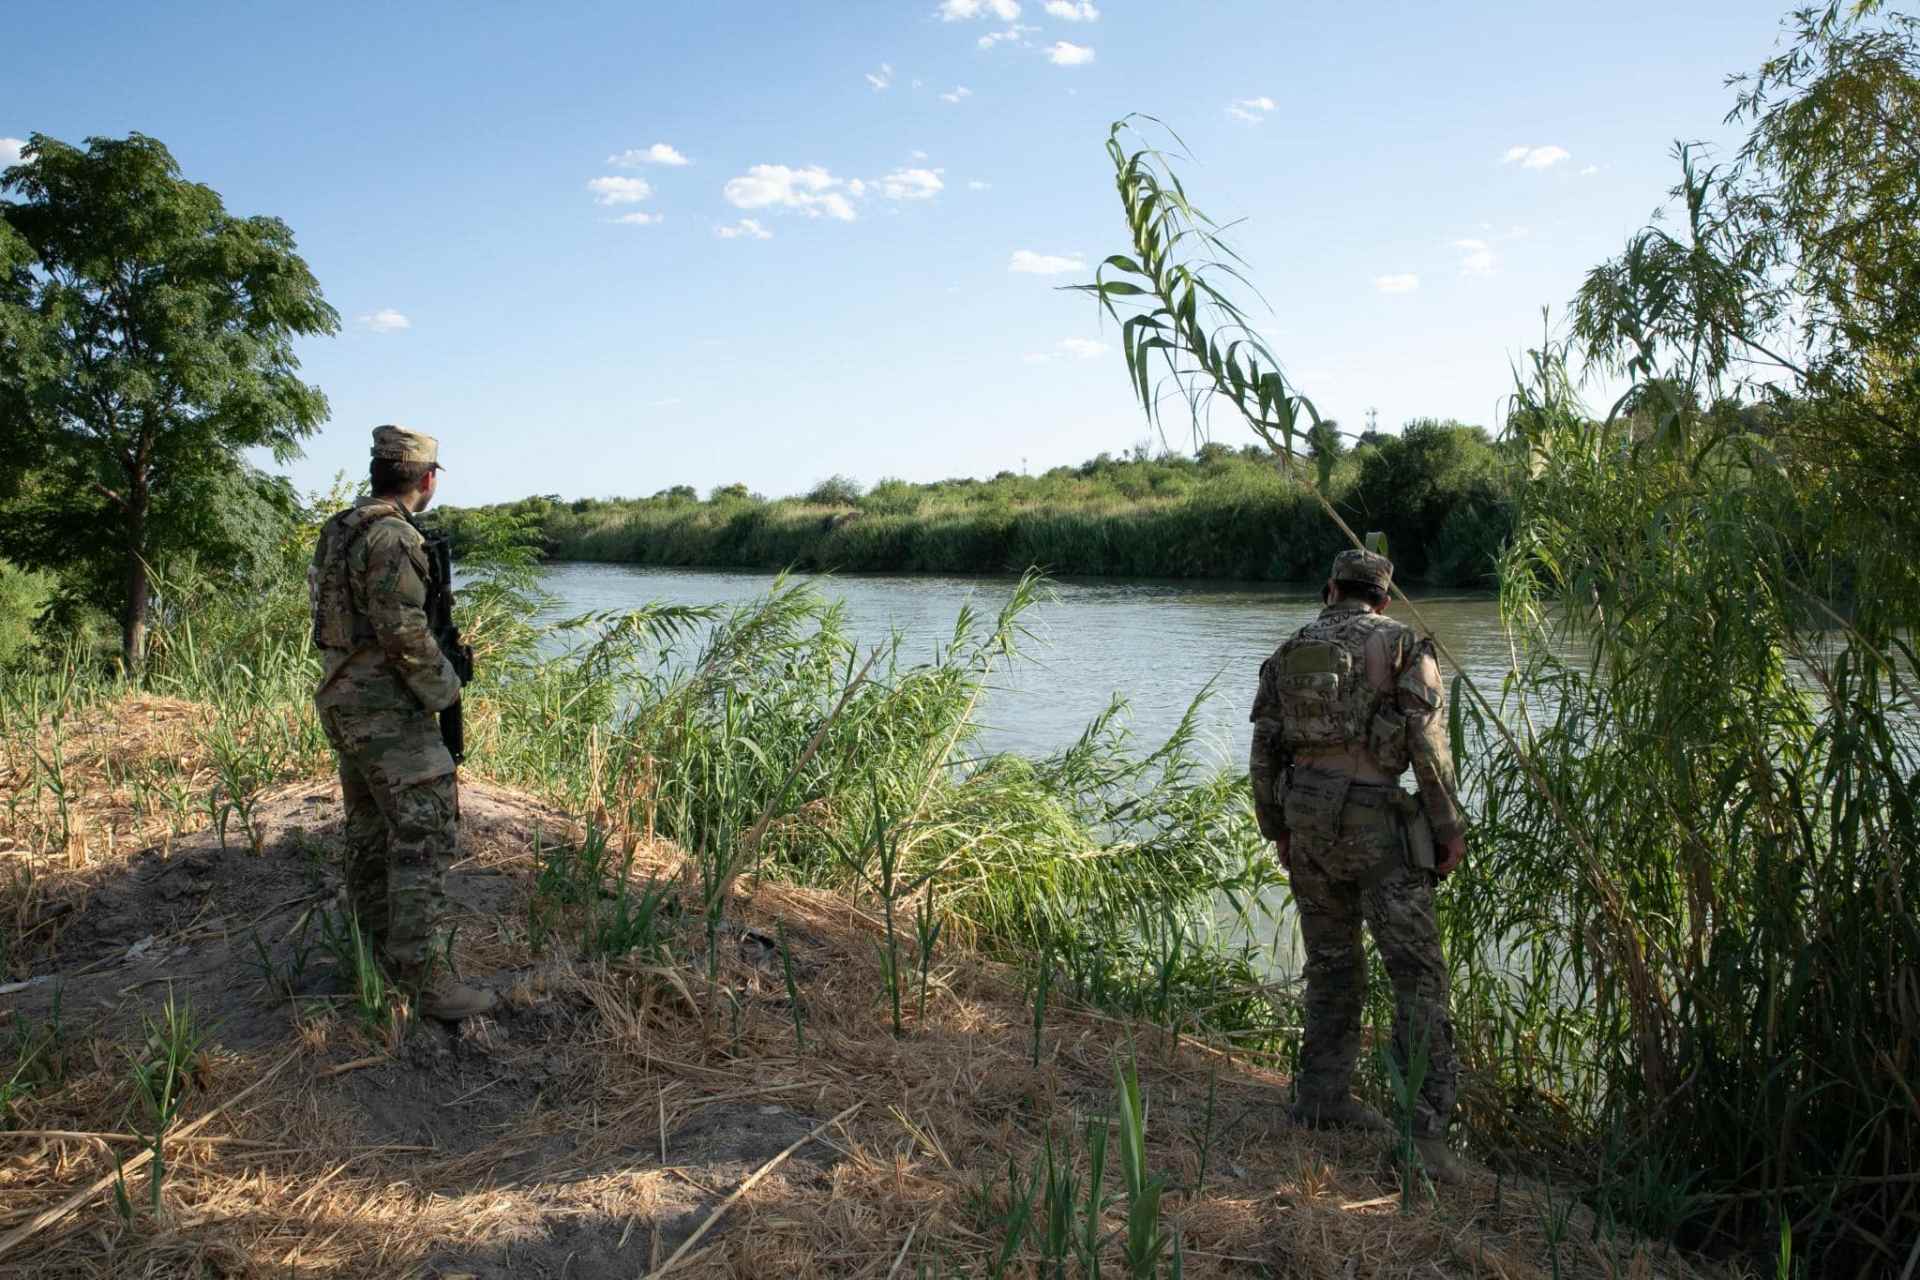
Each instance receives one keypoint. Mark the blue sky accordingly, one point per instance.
(854, 269)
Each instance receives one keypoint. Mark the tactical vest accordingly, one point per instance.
(1326, 701)
(337, 624)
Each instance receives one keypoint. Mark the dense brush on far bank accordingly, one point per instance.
(1441, 491)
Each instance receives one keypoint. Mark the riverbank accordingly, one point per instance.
(1440, 491)
(747, 1110)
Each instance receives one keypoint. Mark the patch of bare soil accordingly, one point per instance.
(613, 1109)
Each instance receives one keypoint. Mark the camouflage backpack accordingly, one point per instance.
(1327, 703)
(336, 623)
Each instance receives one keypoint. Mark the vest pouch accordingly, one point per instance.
(1310, 684)
(1313, 804)
(1387, 740)
(1419, 841)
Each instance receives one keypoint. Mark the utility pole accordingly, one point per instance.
(1373, 420)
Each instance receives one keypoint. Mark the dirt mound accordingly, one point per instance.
(613, 1107)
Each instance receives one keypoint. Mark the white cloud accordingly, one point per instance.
(1405, 282)
(1476, 257)
(1062, 53)
(977, 185)
(619, 190)
(10, 149)
(1014, 32)
(658, 153)
(664, 403)
(745, 229)
(960, 92)
(641, 219)
(812, 191)
(1251, 110)
(912, 184)
(1027, 262)
(385, 320)
(1535, 157)
(1590, 170)
(1068, 349)
(917, 154)
(882, 78)
(1073, 10)
(965, 10)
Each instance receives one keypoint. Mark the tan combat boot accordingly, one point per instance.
(1437, 1158)
(1345, 1112)
(445, 999)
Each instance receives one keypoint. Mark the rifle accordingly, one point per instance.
(453, 729)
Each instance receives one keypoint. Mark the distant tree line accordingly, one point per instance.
(1441, 491)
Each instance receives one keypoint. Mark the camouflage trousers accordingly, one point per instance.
(1360, 875)
(400, 810)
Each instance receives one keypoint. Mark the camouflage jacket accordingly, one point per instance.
(368, 591)
(1402, 672)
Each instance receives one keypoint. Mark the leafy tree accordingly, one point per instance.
(835, 491)
(146, 342)
(1412, 484)
(1792, 273)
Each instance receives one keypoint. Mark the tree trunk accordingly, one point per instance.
(133, 622)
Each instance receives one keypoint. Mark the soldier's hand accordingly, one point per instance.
(1451, 852)
(1283, 850)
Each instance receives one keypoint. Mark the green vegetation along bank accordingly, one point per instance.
(1441, 491)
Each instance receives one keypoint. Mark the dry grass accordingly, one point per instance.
(610, 1108)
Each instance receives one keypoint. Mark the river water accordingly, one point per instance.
(1158, 643)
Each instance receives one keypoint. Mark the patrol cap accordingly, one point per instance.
(397, 444)
(1363, 566)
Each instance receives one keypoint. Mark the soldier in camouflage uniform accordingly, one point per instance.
(1343, 708)
(384, 679)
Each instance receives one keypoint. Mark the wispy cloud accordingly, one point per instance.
(664, 402)
(1535, 157)
(385, 320)
(966, 10)
(10, 149)
(1590, 170)
(1064, 53)
(745, 229)
(619, 190)
(658, 153)
(958, 94)
(1027, 262)
(812, 191)
(1073, 10)
(1476, 257)
(912, 184)
(1068, 349)
(1404, 282)
(1251, 110)
(977, 185)
(641, 219)
(1016, 32)
(881, 79)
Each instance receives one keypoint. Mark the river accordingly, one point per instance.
(1156, 642)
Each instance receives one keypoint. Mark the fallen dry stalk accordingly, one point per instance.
(43, 1220)
(747, 1186)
